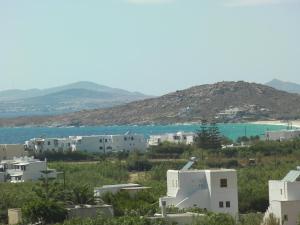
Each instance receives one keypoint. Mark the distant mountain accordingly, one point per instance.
(224, 101)
(69, 98)
(284, 86)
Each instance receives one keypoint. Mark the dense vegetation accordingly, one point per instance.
(256, 164)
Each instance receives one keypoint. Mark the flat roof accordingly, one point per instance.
(119, 186)
(177, 215)
(21, 164)
(136, 188)
(207, 170)
(16, 174)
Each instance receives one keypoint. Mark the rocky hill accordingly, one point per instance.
(224, 101)
(68, 98)
(284, 86)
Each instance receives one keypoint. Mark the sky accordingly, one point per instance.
(151, 46)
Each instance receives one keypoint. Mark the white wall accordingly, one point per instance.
(293, 190)
(277, 190)
(292, 210)
(223, 194)
(180, 137)
(201, 188)
(111, 143)
(33, 170)
(284, 191)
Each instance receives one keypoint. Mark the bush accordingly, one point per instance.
(44, 211)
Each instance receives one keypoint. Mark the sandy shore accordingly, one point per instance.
(295, 123)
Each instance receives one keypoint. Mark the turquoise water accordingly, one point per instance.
(20, 135)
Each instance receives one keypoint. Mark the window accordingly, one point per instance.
(223, 183)
(125, 138)
(49, 143)
(100, 140)
(221, 204)
(105, 140)
(285, 217)
(132, 138)
(100, 147)
(228, 204)
(281, 191)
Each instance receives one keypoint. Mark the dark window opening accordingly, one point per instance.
(227, 204)
(221, 204)
(223, 183)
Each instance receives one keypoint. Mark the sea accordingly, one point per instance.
(230, 130)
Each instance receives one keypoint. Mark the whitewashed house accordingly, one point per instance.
(213, 190)
(94, 144)
(282, 135)
(39, 145)
(284, 198)
(25, 169)
(177, 138)
(110, 143)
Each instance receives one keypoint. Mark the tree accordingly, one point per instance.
(202, 138)
(208, 137)
(44, 211)
(214, 136)
(82, 195)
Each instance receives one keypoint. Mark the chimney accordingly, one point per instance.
(163, 209)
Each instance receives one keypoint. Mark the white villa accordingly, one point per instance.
(178, 138)
(24, 169)
(110, 143)
(50, 144)
(213, 190)
(94, 144)
(282, 135)
(284, 198)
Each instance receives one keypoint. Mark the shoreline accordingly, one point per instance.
(294, 123)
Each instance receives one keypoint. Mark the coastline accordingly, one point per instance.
(294, 123)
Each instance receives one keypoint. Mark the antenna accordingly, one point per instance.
(189, 164)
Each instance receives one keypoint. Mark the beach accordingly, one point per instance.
(293, 123)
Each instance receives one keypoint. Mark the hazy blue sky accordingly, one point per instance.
(152, 46)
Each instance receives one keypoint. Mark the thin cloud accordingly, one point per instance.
(149, 2)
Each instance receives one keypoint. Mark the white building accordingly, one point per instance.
(110, 143)
(282, 135)
(94, 144)
(24, 169)
(213, 190)
(177, 138)
(39, 145)
(284, 198)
